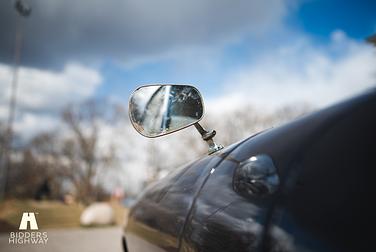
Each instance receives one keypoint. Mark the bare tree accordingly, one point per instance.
(83, 160)
(32, 166)
(246, 121)
(2, 132)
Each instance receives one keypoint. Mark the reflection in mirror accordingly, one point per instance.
(157, 110)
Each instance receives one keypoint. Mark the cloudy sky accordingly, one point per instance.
(268, 52)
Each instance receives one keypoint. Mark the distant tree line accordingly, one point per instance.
(74, 159)
(67, 160)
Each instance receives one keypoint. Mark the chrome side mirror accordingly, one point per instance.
(157, 110)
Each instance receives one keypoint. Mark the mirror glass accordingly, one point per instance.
(157, 110)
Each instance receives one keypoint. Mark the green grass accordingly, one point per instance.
(49, 214)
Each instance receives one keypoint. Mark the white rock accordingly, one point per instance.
(97, 214)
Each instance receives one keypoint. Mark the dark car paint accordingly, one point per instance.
(170, 199)
(328, 205)
(197, 208)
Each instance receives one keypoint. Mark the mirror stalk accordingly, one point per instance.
(208, 137)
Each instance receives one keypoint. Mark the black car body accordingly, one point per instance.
(325, 163)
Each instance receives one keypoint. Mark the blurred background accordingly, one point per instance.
(67, 69)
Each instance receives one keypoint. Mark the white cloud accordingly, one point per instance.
(42, 94)
(28, 124)
(298, 72)
(126, 30)
(303, 72)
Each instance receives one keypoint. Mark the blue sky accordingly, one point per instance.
(265, 52)
(314, 19)
(319, 17)
(241, 53)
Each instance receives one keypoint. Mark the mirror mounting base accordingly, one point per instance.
(208, 137)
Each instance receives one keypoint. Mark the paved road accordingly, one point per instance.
(80, 240)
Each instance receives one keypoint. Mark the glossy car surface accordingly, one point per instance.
(325, 165)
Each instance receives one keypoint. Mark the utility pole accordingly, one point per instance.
(23, 11)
